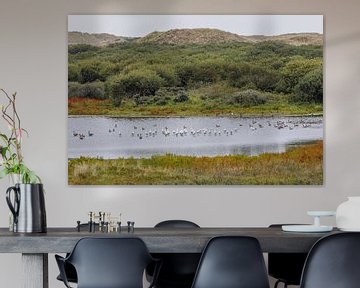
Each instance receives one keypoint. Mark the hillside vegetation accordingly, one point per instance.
(192, 36)
(102, 39)
(196, 72)
(186, 36)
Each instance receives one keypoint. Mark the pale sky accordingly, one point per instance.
(141, 25)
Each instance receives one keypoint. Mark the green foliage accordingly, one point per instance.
(90, 72)
(178, 94)
(203, 72)
(295, 70)
(107, 69)
(73, 73)
(279, 49)
(26, 175)
(310, 87)
(247, 98)
(181, 97)
(114, 89)
(165, 95)
(167, 73)
(268, 49)
(81, 48)
(94, 90)
(138, 82)
(12, 161)
(142, 73)
(245, 75)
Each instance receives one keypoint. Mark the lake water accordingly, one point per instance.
(111, 138)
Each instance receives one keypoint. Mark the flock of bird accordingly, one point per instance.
(218, 130)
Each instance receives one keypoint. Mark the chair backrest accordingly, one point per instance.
(177, 268)
(333, 262)
(110, 262)
(232, 262)
(176, 224)
(286, 266)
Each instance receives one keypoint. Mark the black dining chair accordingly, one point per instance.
(70, 271)
(333, 262)
(178, 269)
(108, 263)
(232, 262)
(286, 267)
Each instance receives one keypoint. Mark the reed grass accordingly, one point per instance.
(298, 166)
(78, 106)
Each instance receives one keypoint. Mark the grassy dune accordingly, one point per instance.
(299, 166)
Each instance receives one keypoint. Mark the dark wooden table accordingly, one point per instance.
(35, 247)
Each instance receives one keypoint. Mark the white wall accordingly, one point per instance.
(33, 62)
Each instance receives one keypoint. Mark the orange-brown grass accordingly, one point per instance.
(81, 106)
(299, 166)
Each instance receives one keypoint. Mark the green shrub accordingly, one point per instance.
(181, 97)
(114, 89)
(81, 48)
(94, 90)
(269, 49)
(167, 72)
(201, 72)
(141, 100)
(208, 72)
(90, 72)
(279, 49)
(161, 101)
(310, 87)
(73, 73)
(245, 75)
(247, 98)
(151, 100)
(107, 69)
(74, 90)
(295, 70)
(177, 94)
(171, 91)
(139, 82)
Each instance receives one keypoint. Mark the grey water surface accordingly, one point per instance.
(110, 138)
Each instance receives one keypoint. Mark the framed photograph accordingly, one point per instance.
(195, 99)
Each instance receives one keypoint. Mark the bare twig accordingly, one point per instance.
(14, 123)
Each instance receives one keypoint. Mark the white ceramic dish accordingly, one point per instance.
(321, 213)
(306, 228)
(350, 229)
